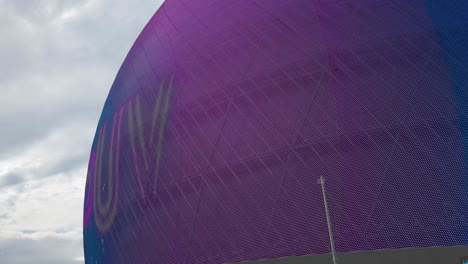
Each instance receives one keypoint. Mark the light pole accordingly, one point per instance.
(321, 181)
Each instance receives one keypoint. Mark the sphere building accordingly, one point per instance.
(225, 113)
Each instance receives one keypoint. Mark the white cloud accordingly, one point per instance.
(59, 58)
(45, 207)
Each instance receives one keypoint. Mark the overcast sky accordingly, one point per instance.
(58, 59)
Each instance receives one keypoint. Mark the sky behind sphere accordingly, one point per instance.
(58, 61)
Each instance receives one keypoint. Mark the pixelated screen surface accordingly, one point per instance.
(225, 113)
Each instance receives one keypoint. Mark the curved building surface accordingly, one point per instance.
(225, 113)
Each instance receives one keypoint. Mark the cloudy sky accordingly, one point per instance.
(58, 59)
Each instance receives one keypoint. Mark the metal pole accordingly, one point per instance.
(321, 181)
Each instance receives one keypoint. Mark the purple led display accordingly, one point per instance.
(225, 113)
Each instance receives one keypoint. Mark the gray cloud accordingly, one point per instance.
(58, 69)
(48, 250)
(59, 58)
(66, 164)
(11, 179)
